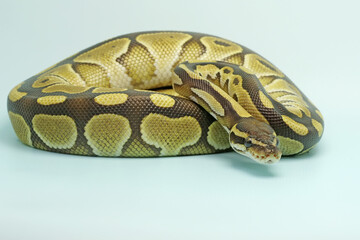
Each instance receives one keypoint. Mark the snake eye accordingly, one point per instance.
(277, 142)
(248, 143)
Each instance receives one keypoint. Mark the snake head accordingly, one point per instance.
(256, 140)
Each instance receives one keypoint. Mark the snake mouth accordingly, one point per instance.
(270, 159)
(259, 157)
(265, 157)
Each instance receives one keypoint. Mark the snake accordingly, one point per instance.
(165, 93)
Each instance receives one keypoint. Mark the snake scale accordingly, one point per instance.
(164, 94)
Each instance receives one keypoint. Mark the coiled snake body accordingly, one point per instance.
(98, 101)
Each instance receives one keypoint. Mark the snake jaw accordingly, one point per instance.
(264, 156)
(268, 153)
(270, 159)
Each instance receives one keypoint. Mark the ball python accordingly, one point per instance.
(165, 93)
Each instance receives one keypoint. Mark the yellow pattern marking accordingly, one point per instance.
(244, 98)
(94, 75)
(217, 136)
(288, 95)
(266, 80)
(80, 150)
(210, 100)
(283, 86)
(56, 131)
(107, 134)
(22, 130)
(46, 80)
(175, 79)
(65, 72)
(105, 56)
(111, 99)
(235, 59)
(65, 88)
(239, 133)
(108, 90)
(50, 100)
(170, 134)
(169, 92)
(289, 146)
(218, 48)
(260, 66)
(15, 95)
(139, 64)
(209, 70)
(198, 148)
(191, 50)
(138, 149)
(162, 100)
(165, 48)
(236, 106)
(298, 128)
(226, 76)
(265, 100)
(295, 104)
(308, 150)
(317, 126)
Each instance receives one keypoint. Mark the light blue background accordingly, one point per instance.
(316, 196)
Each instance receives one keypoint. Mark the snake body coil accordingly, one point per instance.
(98, 101)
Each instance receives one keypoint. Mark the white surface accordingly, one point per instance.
(315, 196)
